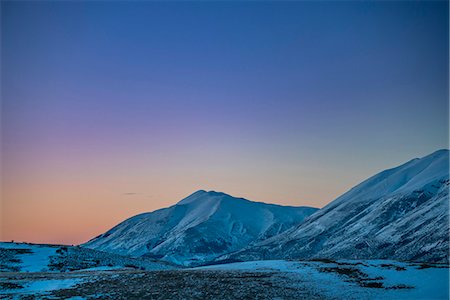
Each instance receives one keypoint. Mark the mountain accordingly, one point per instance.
(400, 213)
(199, 228)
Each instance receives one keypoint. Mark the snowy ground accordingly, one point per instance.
(370, 279)
(26, 257)
(22, 257)
(36, 288)
(247, 280)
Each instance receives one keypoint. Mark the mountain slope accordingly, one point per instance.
(199, 228)
(401, 213)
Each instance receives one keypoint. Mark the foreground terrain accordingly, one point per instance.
(320, 279)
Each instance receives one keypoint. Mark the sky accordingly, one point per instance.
(110, 109)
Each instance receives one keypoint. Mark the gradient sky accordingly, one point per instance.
(110, 109)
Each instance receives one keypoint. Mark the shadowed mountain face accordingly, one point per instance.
(401, 213)
(199, 228)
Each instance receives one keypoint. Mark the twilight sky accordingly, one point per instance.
(110, 109)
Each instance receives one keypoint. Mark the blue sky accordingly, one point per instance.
(284, 102)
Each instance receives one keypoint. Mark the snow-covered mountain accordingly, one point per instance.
(400, 213)
(199, 228)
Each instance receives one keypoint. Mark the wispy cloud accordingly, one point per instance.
(136, 194)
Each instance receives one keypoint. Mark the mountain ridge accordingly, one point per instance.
(399, 213)
(198, 228)
(375, 219)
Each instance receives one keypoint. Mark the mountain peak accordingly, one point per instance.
(199, 228)
(201, 195)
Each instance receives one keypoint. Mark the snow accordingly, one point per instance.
(369, 221)
(428, 283)
(49, 285)
(408, 177)
(249, 265)
(42, 286)
(192, 198)
(103, 268)
(37, 260)
(401, 213)
(199, 228)
(60, 258)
